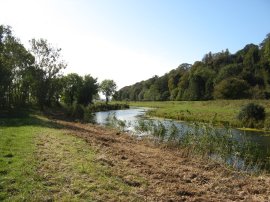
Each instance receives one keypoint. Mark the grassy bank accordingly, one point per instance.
(219, 112)
(59, 160)
(40, 161)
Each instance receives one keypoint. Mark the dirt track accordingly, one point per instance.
(162, 174)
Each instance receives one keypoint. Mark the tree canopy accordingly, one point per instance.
(16, 70)
(48, 66)
(222, 75)
(108, 87)
(35, 77)
(29, 77)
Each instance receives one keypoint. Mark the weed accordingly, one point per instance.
(207, 141)
(112, 121)
(172, 133)
(141, 126)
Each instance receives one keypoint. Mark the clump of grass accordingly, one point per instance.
(112, 121)
(159, 131)
(173, 133)
(142, 126)
(207, 141)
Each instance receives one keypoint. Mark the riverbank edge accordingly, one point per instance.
(157, 172)
(190, 122)
(116, 148)
(157, 110)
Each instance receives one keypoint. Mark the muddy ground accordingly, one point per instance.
(164, 174)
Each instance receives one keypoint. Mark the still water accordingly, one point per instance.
(131, 116)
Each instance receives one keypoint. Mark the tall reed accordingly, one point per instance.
(205, 140)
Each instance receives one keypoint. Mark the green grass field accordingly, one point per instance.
(219, 112)
(39, 161)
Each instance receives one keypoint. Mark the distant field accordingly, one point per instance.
(219, 112)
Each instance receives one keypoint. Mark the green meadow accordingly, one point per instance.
(218, 112)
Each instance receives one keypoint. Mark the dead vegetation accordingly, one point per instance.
(156, 173)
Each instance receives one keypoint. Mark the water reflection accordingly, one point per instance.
(133, 115)
(129, 115)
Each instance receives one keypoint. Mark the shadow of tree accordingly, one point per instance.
(27, 120)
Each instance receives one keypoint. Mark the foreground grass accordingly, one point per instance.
(39, 161)
(219, 112)
(17, 159)
(44, 160)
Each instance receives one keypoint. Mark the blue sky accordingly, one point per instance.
(132, 40)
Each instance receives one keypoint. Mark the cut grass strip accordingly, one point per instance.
(71, 170)
(41, 162)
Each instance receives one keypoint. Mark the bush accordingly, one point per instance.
(251, 113)
(98, 107)
(78, 111)
(75, 111)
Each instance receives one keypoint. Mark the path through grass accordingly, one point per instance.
(41, 162)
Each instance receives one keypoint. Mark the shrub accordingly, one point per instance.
(251, 113)
(106, 107)
(77, 111)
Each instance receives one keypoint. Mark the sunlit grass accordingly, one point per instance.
(39, 161)
(17, 160)
(218, 112)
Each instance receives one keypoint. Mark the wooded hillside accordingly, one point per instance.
(222, 75)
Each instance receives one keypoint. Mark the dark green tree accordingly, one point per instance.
(15, 70)
(228, 71)
(72, 84)
(265, 51)
(88, 90)
(232, 88)
(200, 82)
(152, 94)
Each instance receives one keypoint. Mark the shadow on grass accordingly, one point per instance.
(45, 119)
(26, 118)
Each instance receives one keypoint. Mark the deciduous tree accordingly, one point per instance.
(108, 88)
(48, 63)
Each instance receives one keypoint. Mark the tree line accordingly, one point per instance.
(34, 77)
(222, 75)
